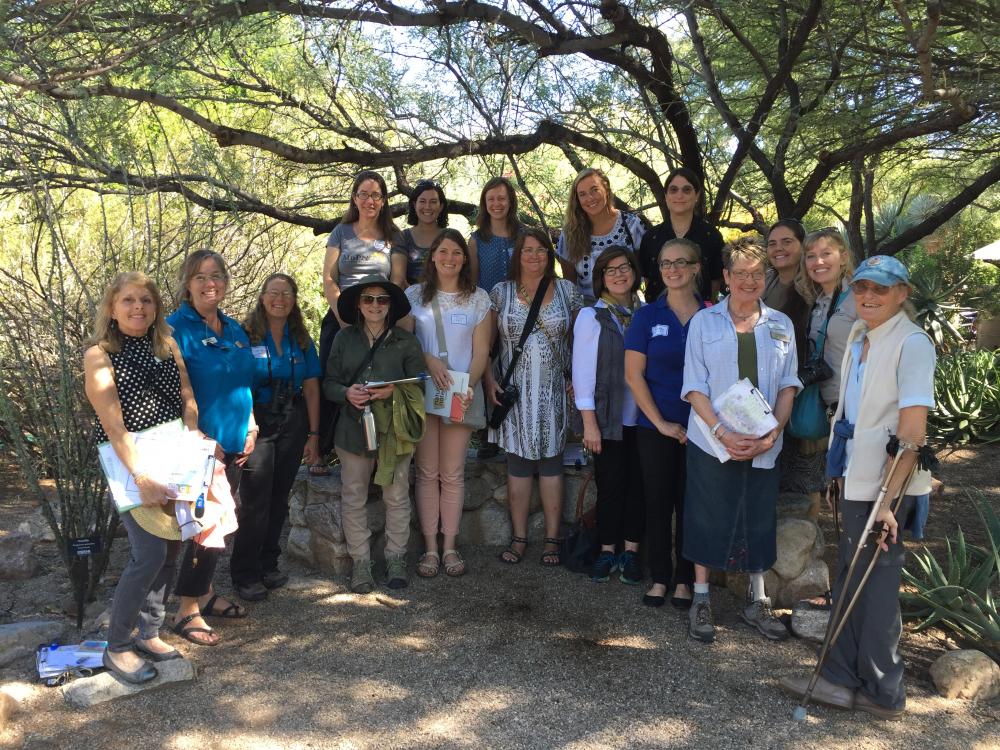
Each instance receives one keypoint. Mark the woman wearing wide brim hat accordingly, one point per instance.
(372, 347)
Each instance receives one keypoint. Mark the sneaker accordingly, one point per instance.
(631, 569)
(701, 624)
(603, 567)
(758, 614)
(362, 580)
(395, 573)
(274, 579)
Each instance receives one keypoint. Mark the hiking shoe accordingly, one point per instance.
(759, 615)
(274, 579)
(395, 573)
(362, 580)
(603, 567)
(631, 569)
(701, 624)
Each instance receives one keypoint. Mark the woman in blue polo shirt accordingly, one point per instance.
(286, 409)
(216, 351)
(654, 371)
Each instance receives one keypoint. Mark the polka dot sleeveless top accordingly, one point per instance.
(149, 389)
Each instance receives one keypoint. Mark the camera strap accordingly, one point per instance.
(821, 336)
(529, 324)
(370, 356)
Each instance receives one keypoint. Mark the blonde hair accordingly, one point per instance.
(577, 228)
(808, 289)
(106, 332)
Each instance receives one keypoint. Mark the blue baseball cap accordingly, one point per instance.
(882, 269)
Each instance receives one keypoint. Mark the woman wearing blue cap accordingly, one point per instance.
(886, 388)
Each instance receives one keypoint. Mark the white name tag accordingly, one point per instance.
(459, 319)
(660, 331)
(259, 352)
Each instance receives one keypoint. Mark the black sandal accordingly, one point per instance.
(510, 555)
(185, 633)
(556, 553)
(233, 612)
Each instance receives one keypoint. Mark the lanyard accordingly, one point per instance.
(291, 359)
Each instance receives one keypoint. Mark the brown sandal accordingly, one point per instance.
(456, 567)
(430, 563)
(510, 555)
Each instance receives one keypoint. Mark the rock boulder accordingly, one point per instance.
(967, 674)
(17, 560)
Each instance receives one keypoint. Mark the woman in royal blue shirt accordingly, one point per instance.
(654, 371)
(286, 409)
(216, 352)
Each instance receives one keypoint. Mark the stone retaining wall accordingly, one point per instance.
(316, 535)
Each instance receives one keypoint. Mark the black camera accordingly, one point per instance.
(814, 370)
(507, 398)
(276, 412)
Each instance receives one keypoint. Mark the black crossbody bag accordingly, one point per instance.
(510, 393)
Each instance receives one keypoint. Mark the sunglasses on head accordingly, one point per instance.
(375, 299)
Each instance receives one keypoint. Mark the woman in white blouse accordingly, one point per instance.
(448, 303)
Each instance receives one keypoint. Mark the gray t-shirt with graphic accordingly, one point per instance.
(360, 258)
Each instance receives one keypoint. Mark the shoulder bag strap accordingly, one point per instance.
(439, 326)
(821, 336)
(529, 323)
(370, 356)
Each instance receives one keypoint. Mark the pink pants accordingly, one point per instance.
(440, 486)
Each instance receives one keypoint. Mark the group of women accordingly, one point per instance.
(540, 350)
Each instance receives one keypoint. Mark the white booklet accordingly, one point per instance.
(180, 459)
(443, 401)
(742, 408)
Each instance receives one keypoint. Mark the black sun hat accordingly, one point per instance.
(347, 305)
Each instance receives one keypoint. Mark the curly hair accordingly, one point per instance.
(466, 284)
(483, 216)
(106, 332)
(577, 227)
(256, 323)
(808, 289)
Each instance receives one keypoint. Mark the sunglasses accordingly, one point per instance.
(867, 287)
(375, 299)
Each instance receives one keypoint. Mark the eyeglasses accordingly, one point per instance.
(534, 251)
(620, 270)
(375, 299)
(203, 278)
(747, 275)
(274, 294)
(686, 189)
(364, 195)
(867, 287)
(680, 263)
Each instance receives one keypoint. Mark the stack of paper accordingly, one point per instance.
(53, 661)
(742, 408)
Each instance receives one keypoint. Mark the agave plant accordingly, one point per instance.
(938, 312)
(967, 392)
(961, 595)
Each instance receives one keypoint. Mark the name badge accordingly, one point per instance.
(259, 352)
(210, 341)
(779, 335)
(660, 331)
(239, 344)
(459, 319)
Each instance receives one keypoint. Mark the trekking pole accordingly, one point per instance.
(842, 606)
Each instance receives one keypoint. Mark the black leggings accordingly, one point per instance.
(663, 477)
(618, 476)
(327, 409)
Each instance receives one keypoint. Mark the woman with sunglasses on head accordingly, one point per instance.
(286, 409)
(685, 204)
(533, 433)
(654, 369)
(886, 389)
(730, 507)
(427, 215)
(135, 379)
(365, 242)
(497, 226)
(370, 348)
(608, 412)
(592, 225)
(447, 304)
(824, 283)
(217, 353)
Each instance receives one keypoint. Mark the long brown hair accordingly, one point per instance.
(256, 325)
(543, 239)
(390, 233)
(189, 269)
(577, 227)
(106, 332)
(483, 227)
(466, 285)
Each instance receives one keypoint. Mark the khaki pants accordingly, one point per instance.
(355, 477)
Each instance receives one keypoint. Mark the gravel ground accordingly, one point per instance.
(506, 657)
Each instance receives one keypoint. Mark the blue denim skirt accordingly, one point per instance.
(730, 518)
